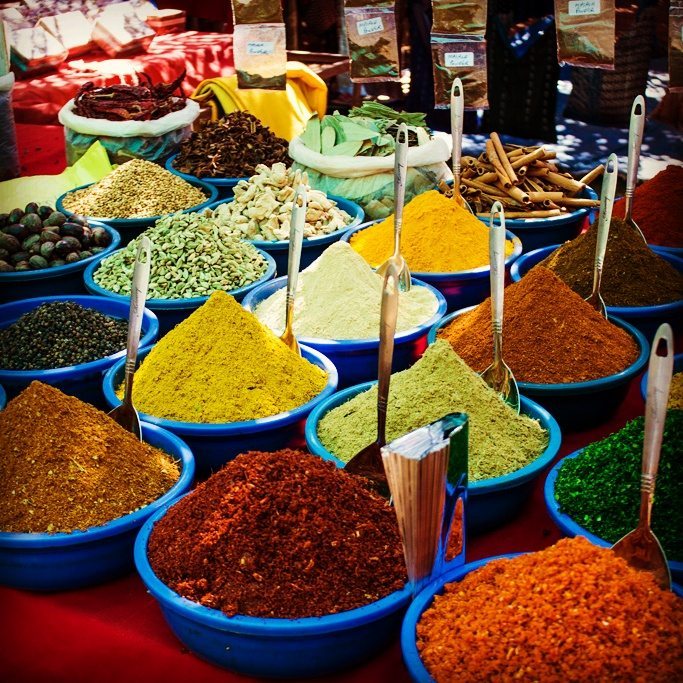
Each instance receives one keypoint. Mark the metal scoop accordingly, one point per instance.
(400, 169)
(641, 548)
(635, 139)
(498, 375)
(457, 115)
(296, 238)
(609, 185)
(368, 462)
(126, 415)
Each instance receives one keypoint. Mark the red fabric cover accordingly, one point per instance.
(116, 632)
(203, 55)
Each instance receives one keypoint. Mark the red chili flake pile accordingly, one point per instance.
(282, 534)
(571, 612)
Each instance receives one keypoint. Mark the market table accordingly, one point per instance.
(116, 631)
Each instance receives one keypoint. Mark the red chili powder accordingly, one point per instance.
(570, 613)
(655, 207)
(282, 534)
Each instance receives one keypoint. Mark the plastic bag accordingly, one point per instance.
(9, 155)
(369, 181)
(124, 140)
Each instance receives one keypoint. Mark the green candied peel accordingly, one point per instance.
(600, 488)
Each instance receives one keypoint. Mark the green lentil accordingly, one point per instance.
(192, 256)
(600, 488)
(60, 334)
(501, 441)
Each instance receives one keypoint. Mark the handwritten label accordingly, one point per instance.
(583, 7)
(459, 58)
(367, 26)
(260, 47)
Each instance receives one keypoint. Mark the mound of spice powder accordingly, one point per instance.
(676, 391)
(438, 236)
(654, 207)
(283, 535)
(633, 274)
(67, 466)
(501, 441)
(572, 612)
(222, 365)
(600, 488)
(551, 334)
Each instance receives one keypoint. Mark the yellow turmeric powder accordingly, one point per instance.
(222, 365)
(438, 236)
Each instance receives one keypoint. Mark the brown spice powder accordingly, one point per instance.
(282, 534)
(551, 334)
(66, 466)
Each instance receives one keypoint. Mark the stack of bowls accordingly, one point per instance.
(224, 186)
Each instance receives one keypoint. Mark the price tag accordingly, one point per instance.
(260, 47)
(583, 7)
(367, 26)
(458, 59)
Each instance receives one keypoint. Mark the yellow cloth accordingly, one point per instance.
(285, 112)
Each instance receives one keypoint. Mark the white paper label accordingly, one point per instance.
(583, 7)
(459, 58)
(367, 26)
(260, 47)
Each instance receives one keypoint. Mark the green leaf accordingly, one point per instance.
(311, 135)
(349, 148)
(327, 139)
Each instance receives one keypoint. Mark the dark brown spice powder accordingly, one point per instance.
(551, 334)
(282, 534)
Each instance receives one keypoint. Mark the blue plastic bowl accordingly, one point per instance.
(540, 232)
(356, 359)
(3, 398)
(490, 502)
(85, 380)
(312, 246)
(215, 443)
(173, 311)
(130, 228)
(281, 648)
(645, 318)
(61, 561)
(423, 601)
(578, 405)
(678, 367)
(67, 279)
(464, 288)
(223, 185)
(569, 527)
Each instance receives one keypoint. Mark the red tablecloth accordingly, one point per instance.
(202, 55)
(116, 631)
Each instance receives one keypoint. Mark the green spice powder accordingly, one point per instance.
(501, 441)
(600, 488)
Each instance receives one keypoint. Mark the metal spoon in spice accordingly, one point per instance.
(368, 462)
(635, 139)
(126, 415)
(400, 170)
(296, 238)
(641, 548)
(457, 115)
(609, 185)
(498, 375)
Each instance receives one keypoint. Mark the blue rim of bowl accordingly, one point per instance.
(199, 429)
(120, 524)
(218, 182)
(626, 311)
(567, 525)
(336, 345)
(678, 367)
(210, 192)
(50, 273)
(481, 487)
(3, 397)
(93, 366)
(568, 388)
(354, 210)
(437, 277)
(171, 304)
(258, 626)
